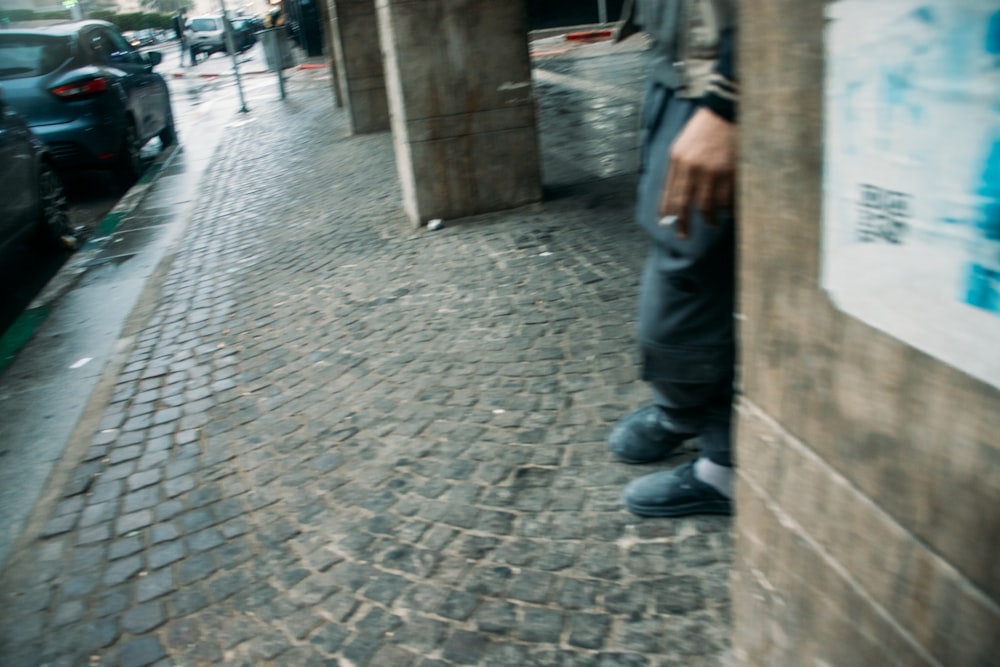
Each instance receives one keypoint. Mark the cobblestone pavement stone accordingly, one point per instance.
(338, 440)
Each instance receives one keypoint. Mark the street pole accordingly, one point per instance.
(231, 47)
(602, 11)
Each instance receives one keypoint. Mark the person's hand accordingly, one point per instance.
(702, 170)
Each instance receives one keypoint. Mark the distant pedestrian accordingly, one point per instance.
(179, 20)
(686, 298)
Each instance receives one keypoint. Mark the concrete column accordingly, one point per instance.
(359, 64)
(867, 523)
(458, 74)
(326, 15)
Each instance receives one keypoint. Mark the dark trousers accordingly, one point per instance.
(687, 295)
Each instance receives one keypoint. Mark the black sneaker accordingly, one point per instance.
(644, 436)
(674, 493)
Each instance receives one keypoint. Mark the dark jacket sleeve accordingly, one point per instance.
(723, 93)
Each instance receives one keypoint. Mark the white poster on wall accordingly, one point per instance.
(911, 219)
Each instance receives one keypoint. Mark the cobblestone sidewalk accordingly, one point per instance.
(341, 441)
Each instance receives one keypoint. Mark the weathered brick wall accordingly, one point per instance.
(868, 518)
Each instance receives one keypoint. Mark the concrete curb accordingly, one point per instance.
(253, 72)
(589, 36)
(78, 264)
(214, 75)
(548, 33)
(557, 41)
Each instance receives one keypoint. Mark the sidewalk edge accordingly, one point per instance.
(23, 329)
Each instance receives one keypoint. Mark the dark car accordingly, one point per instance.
(244, 33)
(87, 94)
(144, 37)
(32, 203)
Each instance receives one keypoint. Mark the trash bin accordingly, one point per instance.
(277, 50)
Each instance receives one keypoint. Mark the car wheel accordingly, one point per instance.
(168, 135)
(129, 164)
(54, 228)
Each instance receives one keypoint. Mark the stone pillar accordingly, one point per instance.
(458, 74)
(326, 15)
(867, 522)
(359, 64)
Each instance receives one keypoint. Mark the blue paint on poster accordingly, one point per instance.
(983, 271)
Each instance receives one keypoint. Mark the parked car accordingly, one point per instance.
(33, 202)
(244, 33)
(87, 94)
(144, 37)
(205, 35)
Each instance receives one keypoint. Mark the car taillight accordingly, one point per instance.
(78, 89)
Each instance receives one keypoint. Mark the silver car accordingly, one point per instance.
(205, 35)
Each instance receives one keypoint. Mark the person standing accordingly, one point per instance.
(687, 290)
(179, 21)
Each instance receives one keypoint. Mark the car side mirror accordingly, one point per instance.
(154, 58)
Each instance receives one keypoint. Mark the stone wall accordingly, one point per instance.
(869, 472)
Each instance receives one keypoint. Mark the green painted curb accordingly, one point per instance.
(19, 333)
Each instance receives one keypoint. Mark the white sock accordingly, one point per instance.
(718, 477)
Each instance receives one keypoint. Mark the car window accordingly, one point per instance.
(204, 25)
(100, 46)
(23, 56)
(121, 50)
